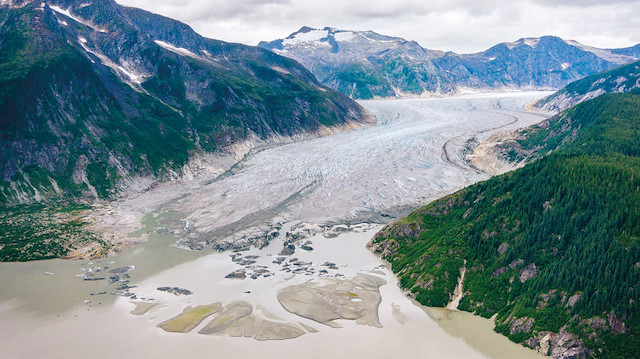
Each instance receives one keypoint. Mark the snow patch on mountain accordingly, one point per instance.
(178, 50)
(137, 78)
(309, 36)
(620, 80)
(68, 14)
(343, 36)
(532, 42)
(130, 77)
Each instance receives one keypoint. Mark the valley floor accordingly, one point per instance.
(319, 189)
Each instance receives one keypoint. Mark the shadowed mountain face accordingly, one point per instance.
(364, 64)
(95, 94)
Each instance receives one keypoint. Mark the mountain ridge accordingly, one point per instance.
(111, 83)
(621, 79)
(365, 64)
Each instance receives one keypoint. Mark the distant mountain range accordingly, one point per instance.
(364, 64)
(95, 95)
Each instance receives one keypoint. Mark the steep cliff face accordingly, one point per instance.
(364, 64)
(95, 94)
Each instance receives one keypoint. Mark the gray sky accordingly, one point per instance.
(457, 25)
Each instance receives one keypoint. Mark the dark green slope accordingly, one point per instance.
(63, 116)
(112, 98)
(549, 248)
(89, 105)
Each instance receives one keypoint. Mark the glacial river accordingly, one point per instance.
(412, 156)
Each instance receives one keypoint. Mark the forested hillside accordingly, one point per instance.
(552, 249)
(97, 98)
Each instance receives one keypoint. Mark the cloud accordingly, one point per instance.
(457, 25)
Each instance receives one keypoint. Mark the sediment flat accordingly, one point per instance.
(189, 318)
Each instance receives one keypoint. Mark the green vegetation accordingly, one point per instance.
(76, 126)
(72, 128)
(361, 82)
(406, 74)
(37, 231)
(557, 241)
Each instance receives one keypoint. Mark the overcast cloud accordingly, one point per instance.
(457, 25)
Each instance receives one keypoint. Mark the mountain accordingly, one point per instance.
(551, 251)
(364, 64)
(547, 62)
(97, 97)
(621, 79)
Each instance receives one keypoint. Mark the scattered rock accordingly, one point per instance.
(528, 272)
(596, 323)
(572, 300)
(288, 249)
(121, 270)
(565, 346)
(515, 264)
(175, 290)
(498, 272)
(616, 324)
(503, 248)
(523, 324)
(239, 274)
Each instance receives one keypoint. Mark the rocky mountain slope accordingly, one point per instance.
(97, 97)
(551, 250)
(364, 64)
(621, 79)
